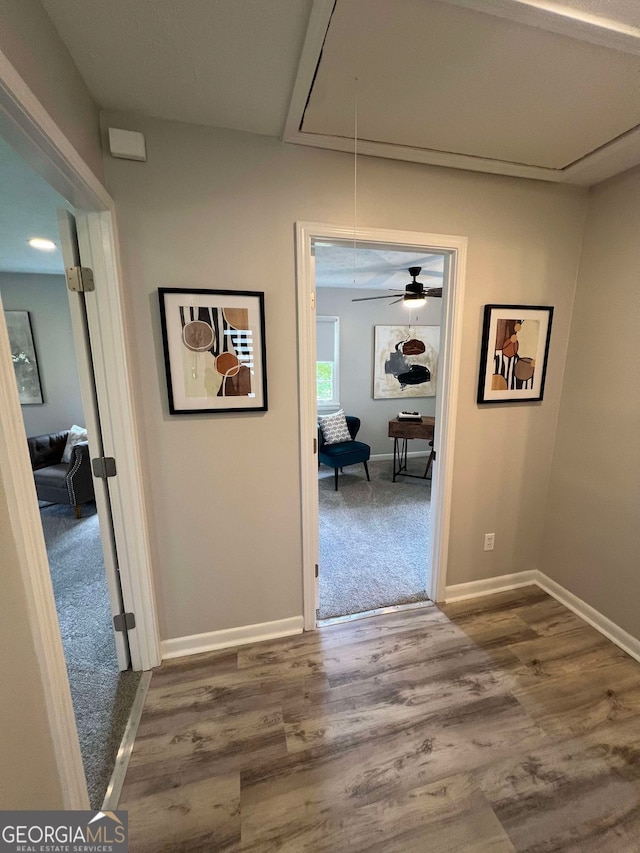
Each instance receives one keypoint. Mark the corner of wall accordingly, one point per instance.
(576, 278)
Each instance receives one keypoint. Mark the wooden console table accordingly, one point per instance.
(401, 432)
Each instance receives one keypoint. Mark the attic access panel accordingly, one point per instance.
(439, 78)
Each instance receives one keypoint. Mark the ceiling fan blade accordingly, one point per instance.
(397, 300)
(433, 291)
(367, 298)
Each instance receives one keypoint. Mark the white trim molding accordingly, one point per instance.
(228, 637)
(626, 641)
(503, 583)
(489, 586)
(29, 128)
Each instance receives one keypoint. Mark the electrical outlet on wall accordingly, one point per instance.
(489, 541)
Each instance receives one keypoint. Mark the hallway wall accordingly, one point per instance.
(215, 208)
(591, 537)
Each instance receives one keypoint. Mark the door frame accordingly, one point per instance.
(455, 249)
(77, 303)
(27, 126)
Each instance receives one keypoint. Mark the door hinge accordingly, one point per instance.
(315, 446)
(433, 455)
(317, 570)
(104, 467)
(80, 279)
(124, 622)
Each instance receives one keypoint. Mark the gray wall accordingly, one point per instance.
(31, 43)
(45, 297)
(215, 208)
(357, 321)
(591, 542)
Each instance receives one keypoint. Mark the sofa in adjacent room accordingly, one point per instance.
(58, 481)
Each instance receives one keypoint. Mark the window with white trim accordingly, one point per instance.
(327, 363)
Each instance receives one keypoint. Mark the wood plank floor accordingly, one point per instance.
(499, 724)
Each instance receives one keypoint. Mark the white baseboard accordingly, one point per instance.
(213, 640)
(209, 642)
(487, 586)
(627, 642)
(377, 457)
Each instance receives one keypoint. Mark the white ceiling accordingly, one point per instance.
(28, 208)
(346, 266)
(535, 88)
(228, 63)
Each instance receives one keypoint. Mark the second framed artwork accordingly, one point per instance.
(214, 350)
(405, 361)
(515, 348)
(23, 354)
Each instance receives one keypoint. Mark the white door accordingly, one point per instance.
(77, 307)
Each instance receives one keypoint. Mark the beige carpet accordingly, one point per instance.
(374, 539)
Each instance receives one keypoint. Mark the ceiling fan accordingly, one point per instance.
(414, 293)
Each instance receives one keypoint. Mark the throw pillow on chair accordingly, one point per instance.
(334, 427)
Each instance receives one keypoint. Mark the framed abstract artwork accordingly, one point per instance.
(515, 347)
(405, 361)
(23, 355)
(214, 350)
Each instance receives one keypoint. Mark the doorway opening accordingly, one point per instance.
(75, 521)
(376, 357)
(447, 256)
(38, 140)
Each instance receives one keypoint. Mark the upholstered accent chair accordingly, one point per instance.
(57, 481)
(337, 456)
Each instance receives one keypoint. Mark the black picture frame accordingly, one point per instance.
(214, 350)
(514, 353)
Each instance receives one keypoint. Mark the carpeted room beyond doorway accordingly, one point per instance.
(374, 539)
(102, 696)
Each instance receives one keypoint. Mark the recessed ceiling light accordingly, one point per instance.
(43, 245)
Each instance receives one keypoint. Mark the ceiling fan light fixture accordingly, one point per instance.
(414, 295)
(414, 300)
